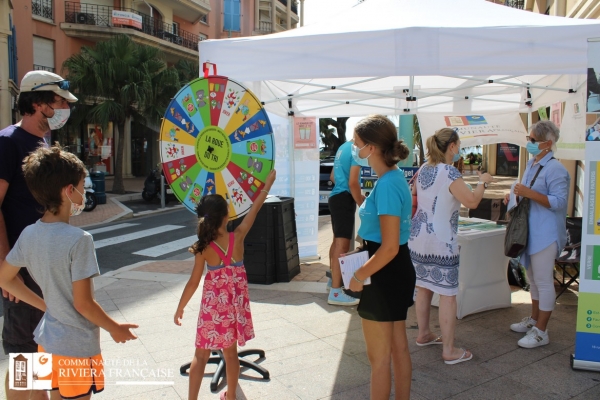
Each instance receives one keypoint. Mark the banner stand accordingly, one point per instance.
(587, 335)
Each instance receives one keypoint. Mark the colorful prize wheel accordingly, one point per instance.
(216, 138)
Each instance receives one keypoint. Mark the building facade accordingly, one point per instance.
(50, 31)
(585, 9)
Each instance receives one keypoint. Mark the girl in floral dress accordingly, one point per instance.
(225, 318)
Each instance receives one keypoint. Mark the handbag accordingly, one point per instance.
(517, 230)
(413, 191)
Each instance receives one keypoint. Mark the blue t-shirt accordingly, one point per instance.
(341, 168)
(390, 196)
(19, 207)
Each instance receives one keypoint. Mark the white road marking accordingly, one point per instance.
(110, 228)
(135, 235)
(169, 247)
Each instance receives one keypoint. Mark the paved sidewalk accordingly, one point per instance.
(316, 351)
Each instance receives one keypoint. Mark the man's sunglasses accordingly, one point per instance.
(534, 141)
(63, 85)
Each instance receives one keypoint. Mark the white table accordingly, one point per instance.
(482, 280)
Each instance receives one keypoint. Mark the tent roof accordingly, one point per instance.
(444, 53)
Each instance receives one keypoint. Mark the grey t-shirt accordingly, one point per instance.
(56, 255)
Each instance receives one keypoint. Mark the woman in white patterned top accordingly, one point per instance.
(433, 241)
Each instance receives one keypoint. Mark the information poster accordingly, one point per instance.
(587, 337)
(305, 133)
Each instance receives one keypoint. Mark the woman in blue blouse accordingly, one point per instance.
(547, 228)
(385, 225)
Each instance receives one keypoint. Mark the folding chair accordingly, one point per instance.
(567, 263)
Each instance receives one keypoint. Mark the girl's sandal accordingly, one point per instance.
(223, 396)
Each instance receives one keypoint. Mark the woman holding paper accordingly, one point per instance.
(433, 241)
(546, 183)
(385, 225)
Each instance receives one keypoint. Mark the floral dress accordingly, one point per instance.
(433, 238)
(225, 309)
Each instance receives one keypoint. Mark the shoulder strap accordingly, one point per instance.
(219, 251)
(538, 172)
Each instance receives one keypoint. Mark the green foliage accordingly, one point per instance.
(333, 138)
(119, 80)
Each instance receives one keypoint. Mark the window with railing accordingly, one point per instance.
(101, 15)
(520, 4)
(43, 8)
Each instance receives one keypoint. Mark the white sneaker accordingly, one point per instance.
(337, 297)
(534, 338)
(524, 326)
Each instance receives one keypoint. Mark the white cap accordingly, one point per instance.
(32, 79)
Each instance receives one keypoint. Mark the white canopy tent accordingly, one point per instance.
(412, 56)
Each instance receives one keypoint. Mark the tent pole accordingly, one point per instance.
(292, 156)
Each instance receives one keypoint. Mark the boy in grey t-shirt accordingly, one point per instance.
(62, 260)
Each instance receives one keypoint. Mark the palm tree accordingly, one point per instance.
(119, 80)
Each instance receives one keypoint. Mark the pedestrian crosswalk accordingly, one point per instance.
(128, 242)
(169, 247)
(135, 235)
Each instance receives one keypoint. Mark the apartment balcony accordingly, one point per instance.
(190, 10)
(264, 28)
(520, 4)
(282, 10)
(97, 22)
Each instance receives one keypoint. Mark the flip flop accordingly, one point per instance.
(223, 396)
(437, 340)
(460, 359)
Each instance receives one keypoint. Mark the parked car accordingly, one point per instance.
(325, 184)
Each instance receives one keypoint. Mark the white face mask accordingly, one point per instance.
(76, 209)
(59, 119)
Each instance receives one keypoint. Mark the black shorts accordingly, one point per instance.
(20, 320)
(342, 208)
(392, 288)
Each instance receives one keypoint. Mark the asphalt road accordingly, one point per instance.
(116, 248)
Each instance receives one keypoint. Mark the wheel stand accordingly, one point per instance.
(218, 358)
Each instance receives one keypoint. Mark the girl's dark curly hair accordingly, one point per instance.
(211, 210)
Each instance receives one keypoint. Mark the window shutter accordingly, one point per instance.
(232, 15)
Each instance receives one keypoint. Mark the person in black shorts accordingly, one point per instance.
(342, 206)
(43, 102)
(385, 219)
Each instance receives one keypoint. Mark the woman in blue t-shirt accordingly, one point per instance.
(385, 226)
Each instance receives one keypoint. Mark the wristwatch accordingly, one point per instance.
(485, 184)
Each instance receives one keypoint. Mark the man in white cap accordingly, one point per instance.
(44, 104)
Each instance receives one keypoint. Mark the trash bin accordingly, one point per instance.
(97, 178)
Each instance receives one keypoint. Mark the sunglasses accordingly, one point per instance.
(63, 85)
(534, 141)
(454, 137)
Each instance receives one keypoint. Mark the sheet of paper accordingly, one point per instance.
(350, 263)
(512, 201)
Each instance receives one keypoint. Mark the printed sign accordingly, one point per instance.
(126, 18)
(305, 133)
(475, 130)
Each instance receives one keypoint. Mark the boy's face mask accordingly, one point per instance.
(76, 209)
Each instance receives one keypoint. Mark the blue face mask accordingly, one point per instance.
(533, 148)
(363, 162)
(456, 157)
